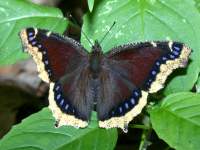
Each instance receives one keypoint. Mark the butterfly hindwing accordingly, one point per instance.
(136, 70)
(117, 99)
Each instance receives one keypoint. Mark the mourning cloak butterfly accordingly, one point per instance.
(116, 83)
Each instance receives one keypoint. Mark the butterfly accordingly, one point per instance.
(116, 83)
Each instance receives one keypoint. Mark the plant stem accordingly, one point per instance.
(145, 139)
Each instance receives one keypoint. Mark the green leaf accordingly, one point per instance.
(198, 85)
(37, 132)
(18, 14)
(177, 121)
(90, 5)
(197, 4)
(144, 20)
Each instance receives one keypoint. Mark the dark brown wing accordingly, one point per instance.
(54, 55)
(72, 95)
(61, 61)
(130, 73)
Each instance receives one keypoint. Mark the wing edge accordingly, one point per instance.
(35, 53)
(167, 68)
(123, 121)
(62, 118)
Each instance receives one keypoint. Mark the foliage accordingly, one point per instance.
(38, 132)
(181, 124)
(175, 119)
(18, 14)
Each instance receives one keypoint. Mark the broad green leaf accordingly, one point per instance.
(177, 121)
(145, 20)
(18, 14)
(197, 4)
(37, 132)
(90, 5)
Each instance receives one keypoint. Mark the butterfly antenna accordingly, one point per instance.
(107, 32)
(79, 26)
(90, 42)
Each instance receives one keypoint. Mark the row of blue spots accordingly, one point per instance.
(61, 101)
(177, 46)
(127, 105)
(64, 104)
(31, 36)
(176, 50)
(154, 71)
(46, 62)
(175, 53)
(33, 41)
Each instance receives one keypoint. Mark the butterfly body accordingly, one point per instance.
(117, 82)
(95, 60)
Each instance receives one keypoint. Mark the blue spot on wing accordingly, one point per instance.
(127, 105)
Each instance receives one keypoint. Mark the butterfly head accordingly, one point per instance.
(96, 47)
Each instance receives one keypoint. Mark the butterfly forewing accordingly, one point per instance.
(55, 55)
